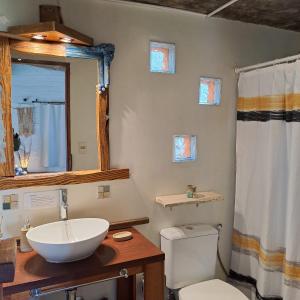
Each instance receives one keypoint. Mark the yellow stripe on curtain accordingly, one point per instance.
(286, 102)
(272, 260)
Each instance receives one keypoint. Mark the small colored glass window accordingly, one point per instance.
(162, 57)
(210, 91)
(184, 148)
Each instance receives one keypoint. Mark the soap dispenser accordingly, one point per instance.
(24, 245)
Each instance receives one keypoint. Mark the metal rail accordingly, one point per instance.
(39, 292)
(268, 63)
(221, 8)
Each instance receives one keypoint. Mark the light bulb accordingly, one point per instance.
(38, 37)
(65, 40)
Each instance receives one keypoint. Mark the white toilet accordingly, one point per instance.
(191, 255)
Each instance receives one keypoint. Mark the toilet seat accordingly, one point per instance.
(211, 290)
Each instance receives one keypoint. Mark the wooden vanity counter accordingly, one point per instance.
(137, 255)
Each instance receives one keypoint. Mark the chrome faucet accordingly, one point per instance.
(63, 205)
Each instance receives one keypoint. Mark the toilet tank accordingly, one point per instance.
(190, 254)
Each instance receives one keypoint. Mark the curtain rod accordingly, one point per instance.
(221, 8)
(26, 102)
(39, 102)
(48, 102)
(267, 64)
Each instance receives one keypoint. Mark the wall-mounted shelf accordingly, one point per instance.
(182, 199)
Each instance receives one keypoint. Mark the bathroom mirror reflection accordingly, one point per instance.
(53, 114)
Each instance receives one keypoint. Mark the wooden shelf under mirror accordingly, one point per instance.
(102, 55)
(48, 179)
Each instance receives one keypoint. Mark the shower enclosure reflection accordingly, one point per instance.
(50, 104)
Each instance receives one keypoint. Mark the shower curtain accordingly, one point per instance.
(48, 142)
(266, 237)
(53, 137)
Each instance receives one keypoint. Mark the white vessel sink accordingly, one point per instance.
(67, 241)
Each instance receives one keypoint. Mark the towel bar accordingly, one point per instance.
(39, 292)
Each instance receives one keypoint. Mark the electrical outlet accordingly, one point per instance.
(103, 191)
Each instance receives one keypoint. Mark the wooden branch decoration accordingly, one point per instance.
(102, 117)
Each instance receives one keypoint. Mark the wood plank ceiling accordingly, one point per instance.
(283, 14)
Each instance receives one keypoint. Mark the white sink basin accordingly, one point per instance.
(67, 241)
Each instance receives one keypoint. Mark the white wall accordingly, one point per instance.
(147, 109)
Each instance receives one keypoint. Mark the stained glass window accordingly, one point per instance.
(210, 91)
(184, 148)
(162, 57)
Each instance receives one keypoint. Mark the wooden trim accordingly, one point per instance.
(6, 168)
(102, 121)
(13, 36)
(126, 288)
(154, 281)
(64, 178)
(128, 223)
(50, 13)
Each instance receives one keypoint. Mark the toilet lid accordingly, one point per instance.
(211, 290)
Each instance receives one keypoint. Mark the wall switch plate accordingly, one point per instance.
(103, 191)
(82, 148)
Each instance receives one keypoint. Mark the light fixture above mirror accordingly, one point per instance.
(51, 28)
(53, 32)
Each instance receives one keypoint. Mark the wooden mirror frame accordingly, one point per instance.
(104, 54)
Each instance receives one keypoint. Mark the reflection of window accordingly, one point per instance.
(184, 148)
(162, 57)
(210, 91)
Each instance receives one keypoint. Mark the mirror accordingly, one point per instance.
(54, 114)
